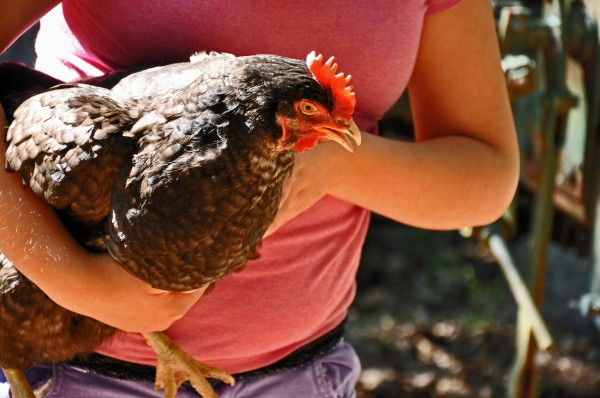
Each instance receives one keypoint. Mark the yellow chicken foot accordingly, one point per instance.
(174, 367)
(19, 386)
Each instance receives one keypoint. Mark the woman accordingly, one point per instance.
(462, 170)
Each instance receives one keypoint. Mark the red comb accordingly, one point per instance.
(324, 73)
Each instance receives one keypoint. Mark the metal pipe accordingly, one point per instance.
(521, 293)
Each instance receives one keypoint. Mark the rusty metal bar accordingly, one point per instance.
(523, 382)
(520, 291)
(551, 52)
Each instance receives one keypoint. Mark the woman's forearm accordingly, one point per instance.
(443, 183)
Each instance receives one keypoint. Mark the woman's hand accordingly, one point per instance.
(314, 175)
(119, 299)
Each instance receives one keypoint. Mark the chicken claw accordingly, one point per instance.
(19, 386)
(174, 367)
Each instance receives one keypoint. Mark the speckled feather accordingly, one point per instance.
(68, 144)
(179, 167)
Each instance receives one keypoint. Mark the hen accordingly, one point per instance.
(177, 171)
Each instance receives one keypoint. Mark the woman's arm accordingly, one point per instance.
(463, 169)
(38, 244)
(17, 17)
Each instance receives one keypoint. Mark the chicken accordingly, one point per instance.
(176, 171)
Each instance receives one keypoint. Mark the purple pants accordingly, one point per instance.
(333, 376)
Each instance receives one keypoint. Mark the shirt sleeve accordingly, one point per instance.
(437, 6)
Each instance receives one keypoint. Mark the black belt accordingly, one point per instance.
(123, 370)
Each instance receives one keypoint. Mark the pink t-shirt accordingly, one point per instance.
(304, 281)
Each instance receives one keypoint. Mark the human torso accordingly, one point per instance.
(303, 282)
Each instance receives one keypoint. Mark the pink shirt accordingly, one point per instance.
(303, 282)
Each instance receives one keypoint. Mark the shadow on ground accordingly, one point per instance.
(434, 317)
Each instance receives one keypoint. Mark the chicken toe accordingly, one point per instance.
(174, 367)
(19, 386)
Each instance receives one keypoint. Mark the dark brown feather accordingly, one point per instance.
(35, 329)
(176, 170)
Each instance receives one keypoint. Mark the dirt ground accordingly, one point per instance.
(434, 317)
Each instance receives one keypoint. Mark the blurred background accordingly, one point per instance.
(435, 315)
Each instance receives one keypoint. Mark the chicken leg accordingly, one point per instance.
(174, 367)
(19, 386)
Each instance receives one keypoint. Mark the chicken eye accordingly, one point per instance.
(308, 108)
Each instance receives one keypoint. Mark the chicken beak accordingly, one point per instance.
(344, 133)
